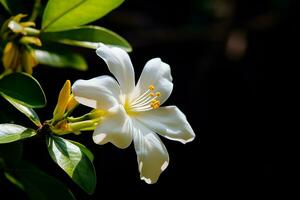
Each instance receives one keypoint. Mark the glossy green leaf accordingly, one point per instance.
(63, 15)
(87, 36)
(14, 132)
(84, 150)
(28, 112)
(40, 185)
(73, 161)
(23, 88)
(61, 59)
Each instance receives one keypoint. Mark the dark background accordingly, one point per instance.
(228, 61)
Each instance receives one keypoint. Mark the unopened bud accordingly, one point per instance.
(62, 101)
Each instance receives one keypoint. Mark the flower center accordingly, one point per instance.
(144, 102)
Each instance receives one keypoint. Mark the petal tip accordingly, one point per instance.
(164, 166)
(98, 138)
(147, 180)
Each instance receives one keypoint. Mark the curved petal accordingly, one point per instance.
(119, 64)
(169, 122)
(114, 128)
(158, 74)
(152, 155)
(102, 92)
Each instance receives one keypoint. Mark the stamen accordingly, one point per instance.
(146, 101)
(151, 87)
(141, 97)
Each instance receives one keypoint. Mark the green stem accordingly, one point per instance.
(35, 10)
(32, 31)
(83, 125)
(78, 119)
(94, 114)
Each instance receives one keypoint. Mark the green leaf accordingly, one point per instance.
(73, 161)
(61, 59)
(87, 36)
(14, 180)
(28, 112)
(39, 185)
(14, 6)
(84, 150)
(14, 132)
(23, 88)
(62, 15)
(4, 3)
(11, 152)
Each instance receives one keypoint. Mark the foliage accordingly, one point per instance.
(29, 36)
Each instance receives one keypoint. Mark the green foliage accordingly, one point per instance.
(85, 150)
(39, 185)
(62, 15)
(61, 59)
(73, 161)
(23, 88)
(11, 152)
(87, 36)
(5, 4)
(14, 6)
(14, 132)
(24, 43)
(28, 112)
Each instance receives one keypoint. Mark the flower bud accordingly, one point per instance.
(63, 100)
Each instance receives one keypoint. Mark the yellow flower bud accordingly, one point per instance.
(11, 57)
(28, 61)
(63, 100)
(72, 103)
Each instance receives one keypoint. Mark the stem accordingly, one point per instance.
(35, 10)
(78, 126)
(32, 31)
(95, 114)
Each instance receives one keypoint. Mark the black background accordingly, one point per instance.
(228, 60)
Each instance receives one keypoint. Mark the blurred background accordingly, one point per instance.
(227, 59)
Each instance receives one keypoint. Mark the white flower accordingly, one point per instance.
(133, 111)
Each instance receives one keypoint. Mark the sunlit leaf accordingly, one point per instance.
(61, 59)
(23, 88)
(85, 150)
(87, 36)
(14, 132)
(73, 161)
(63, 15)
(28, 112)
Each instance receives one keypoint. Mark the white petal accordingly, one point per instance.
(169, 122)
(114, 128)
(119, 64)
(158, 74)
(153, 157)
(102, 92)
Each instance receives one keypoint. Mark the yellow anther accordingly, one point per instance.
(152, 94)
(158, 94)
(155, 104)
(151, 87)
